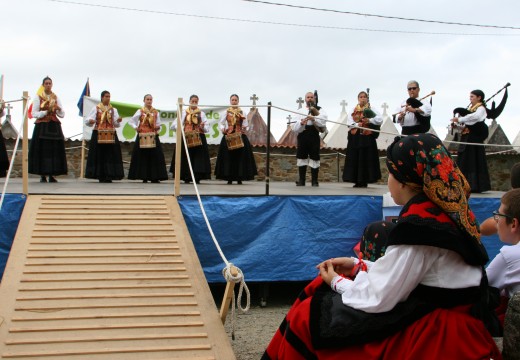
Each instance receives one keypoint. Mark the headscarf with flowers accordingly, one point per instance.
(422, 162)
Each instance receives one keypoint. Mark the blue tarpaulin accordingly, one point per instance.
(277, 238)
(12, 208)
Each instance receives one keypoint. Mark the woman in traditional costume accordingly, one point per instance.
(195, 127)
(416, 301)
(47, 147)
(104, 161)
(362, 158)
(235, 159)
(472, 158)
(4, 160)
(147, 162)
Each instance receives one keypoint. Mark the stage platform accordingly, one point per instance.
(271, 238)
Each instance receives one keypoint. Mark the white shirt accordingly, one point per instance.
(409, 117)
(377, 120)
(504, 271)
(203, 120)
(320, 120)
(93, 115)
(471, 119)
(394, 276)
(36, 113)
(134, 120)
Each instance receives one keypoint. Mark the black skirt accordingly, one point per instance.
(4, 160)
(47, 150)
(362, 159)
(471, 159)
(238, 164)
(200, 161)
(104, 161)
(147, 164)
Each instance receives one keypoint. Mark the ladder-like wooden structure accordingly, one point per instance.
(107, 277)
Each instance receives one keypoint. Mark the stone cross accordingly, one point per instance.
(9, 107)
(343, 103)
(300, 102)
(385, 106)
(254, 98)
(289, 117)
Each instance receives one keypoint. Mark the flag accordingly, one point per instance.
(85, 92)
(39, 92)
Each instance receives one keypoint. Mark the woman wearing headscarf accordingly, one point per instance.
(472, 158)
(416, 301)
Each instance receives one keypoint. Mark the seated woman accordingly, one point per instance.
(416, 301)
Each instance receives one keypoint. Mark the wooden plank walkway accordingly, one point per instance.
(107, 277)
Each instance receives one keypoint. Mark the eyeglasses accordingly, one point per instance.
(497, 215)
(412, 88)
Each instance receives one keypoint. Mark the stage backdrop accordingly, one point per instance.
(9, 218)
(127, 133)
(277, 238)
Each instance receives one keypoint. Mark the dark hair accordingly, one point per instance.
(193, 96)
(104, 92)
(46, 78)
(515, 176)
(150, 95)
(234, 95)
(362, 92)
(511, 201)
(479, 93)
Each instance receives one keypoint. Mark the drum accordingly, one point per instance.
(234, 141)
(147, 140)
(193, 139)
(106, 136)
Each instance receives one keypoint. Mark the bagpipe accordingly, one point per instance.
(314, 110)
(492, 113)
(416, 103)
(366, 115)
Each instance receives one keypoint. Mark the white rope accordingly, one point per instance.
(228, 275)
(239, 278)
(11, 164)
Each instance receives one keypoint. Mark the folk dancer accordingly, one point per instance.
(414, 115)
(147, 162)
(104, 161)
(195, 124)
(237, 163)
(47, 147)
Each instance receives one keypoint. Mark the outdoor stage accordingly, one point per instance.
(279, 237)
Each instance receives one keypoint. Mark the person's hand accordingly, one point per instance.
(341, 265)
(455, 120)
(157, 128)
(92, 122)
(229, 130)
(327, 272)
(119, 120)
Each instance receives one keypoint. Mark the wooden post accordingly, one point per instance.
(178, 149)
(25, 146)
(82, 162)
(228, 295)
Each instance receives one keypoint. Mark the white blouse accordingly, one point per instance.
(471, 119)
(93, 114)
(134, 120)
(36, 113)
(203, 118)
(394, 276)
(297, 127)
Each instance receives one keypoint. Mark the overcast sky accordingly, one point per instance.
(131, 53)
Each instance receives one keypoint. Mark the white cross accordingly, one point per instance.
(343, 103)
(385, 106)
(300, 102)
(9, 107)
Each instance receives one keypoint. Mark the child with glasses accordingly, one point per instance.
(504, 271)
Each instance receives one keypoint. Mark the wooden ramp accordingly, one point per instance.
(113, 277)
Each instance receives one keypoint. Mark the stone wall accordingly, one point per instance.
(282, 163)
